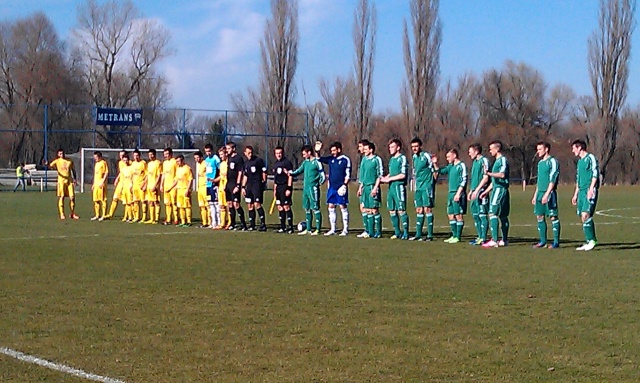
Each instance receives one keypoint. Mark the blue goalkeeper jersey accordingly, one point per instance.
(339, 169)
(213, 164)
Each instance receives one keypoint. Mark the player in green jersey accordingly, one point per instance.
(457, 199)
(370, 177)
(363, 211)
(545, 198)
(499, 203)
(397, 194)
(585, 196)
(313, 178)
(425, 172)
(478, 184)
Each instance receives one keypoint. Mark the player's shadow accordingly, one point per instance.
(618, 246)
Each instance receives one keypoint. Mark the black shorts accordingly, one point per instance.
(254, 193)
(212, 192)
(231, 196)
(281, 198)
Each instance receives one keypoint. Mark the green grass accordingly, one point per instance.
(147, 303)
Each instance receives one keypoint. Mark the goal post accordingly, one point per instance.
(85, 158)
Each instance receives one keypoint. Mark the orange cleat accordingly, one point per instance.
(75, 216)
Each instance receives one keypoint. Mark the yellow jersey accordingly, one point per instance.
(139, 173)
(100, 171)
(184, 175)
(121, 164)
(202, 175)
(126, 176)
(64, 167)
(169, 168)
(224, 169)
(153, 172)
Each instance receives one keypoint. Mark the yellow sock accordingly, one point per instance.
(156, 206)
(96, 208)
(189, 213)
(61, 206)
(223, 217)
(183, 215)
(103, 205)
(136, 211)
(72, 205)
(114, 205)
(169, 213)
(144, 211)
(203, 216)
(152, 211)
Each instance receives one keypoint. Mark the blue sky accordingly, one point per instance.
(217, 42)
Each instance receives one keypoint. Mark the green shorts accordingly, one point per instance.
(480, 206)
(586, 205)
(550, 209)
(397, 197)
(368, 201)
(424, 198)
(459, 207)
(311, 198)
(500, 203)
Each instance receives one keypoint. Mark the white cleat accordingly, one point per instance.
(95, 218)
(344, 233)
(314, 233)
(329, 233)
(502, 243)
(589, 245)
(364, 235)
(581, 248)
(303, 232)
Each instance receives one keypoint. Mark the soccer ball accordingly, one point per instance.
(302, 226)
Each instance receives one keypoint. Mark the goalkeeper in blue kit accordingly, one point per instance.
(313, 178)
(337, 192)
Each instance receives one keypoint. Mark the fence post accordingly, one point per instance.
(225, 131)
(46, 144)
(184, 126)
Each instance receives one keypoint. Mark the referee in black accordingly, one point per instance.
(282, 190)
(253, 184)
(234, 182)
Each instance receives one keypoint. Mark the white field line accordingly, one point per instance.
(99, 235)
(57, 367)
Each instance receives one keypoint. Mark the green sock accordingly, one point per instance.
(308, 216)
(542, 230)
(494, 227)
(370, 224)
(404, 218)
(377, 218)
(419, 223)
(589, 230)
(459, 227)
(365, 220)
(395, 220)
(454, 228)
(429, 225)
(318, 216)
(484, 227)
(504, 226)
(476, 224)
(555, 226)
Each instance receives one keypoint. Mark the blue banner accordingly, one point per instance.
(123, 117)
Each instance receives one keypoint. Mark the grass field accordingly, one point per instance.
(141, 303)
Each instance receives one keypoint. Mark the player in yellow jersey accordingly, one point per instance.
(225, 220)
(99, 187)
(183, 185)
(117, 188)
(139, 167)
(203, 200)
(125, 179)
(152, 187)
(167, 187)
(66, 182)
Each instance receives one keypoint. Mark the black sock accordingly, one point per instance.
(252, 218)
(283, 216)
(289, 215)
(232, 214)
(261, 214)
(243, 222)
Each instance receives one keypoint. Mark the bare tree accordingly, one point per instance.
(364, 36)
(422, 63)
(609, 53)
(279, 53)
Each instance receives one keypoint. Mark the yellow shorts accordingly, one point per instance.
(66, 189)
(125, 196)
(100, 193)
(203, 198)
(151, 195)
(118, 191)
(222, 197)
(170, 197)
(183, 202)
(138, 195)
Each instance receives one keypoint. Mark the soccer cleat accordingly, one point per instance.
(166, 223)
(376, 235)
(502, 243)
(251, 228)
(314, 233)
(394, 237)
(448, 240)
(303, 232)
(454, 240)
(428, 239)
(290, 230)
(590, 245)
(404, 237)
(279, 230)
(476, 242)
(125, 220)
(364, 235)
(262, 228)
(539, 245)
(95, 218)
(490, 243)
(101, 219)
(415, 239)
(344, 233)
(554, 245)
(62, 216)
(330, 232)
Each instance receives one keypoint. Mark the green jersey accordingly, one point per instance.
(370, 170)
(587, 169)
(313, 172)
(548, 172)
(479, 168)
(423, 171)
(500, 166)
(398, 165)
(457, 176)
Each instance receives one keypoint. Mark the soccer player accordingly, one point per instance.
(313, 178)
(139, 176)
(125, 180)
(182, 185)
(363, 211)
(212, 162)
(221, 180)
(337, 192)
(167, 187)
(425, 174)
(152, 187)
(235, 164)
(282, 190)
(370, 176)
(99, 187)
(117, 191)
(457, 199)
(479, 183)
(253, 181)
(585, 196)
(66, 182)
(397, 194)
(545, 198)
(499, 203)
(203, 192)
